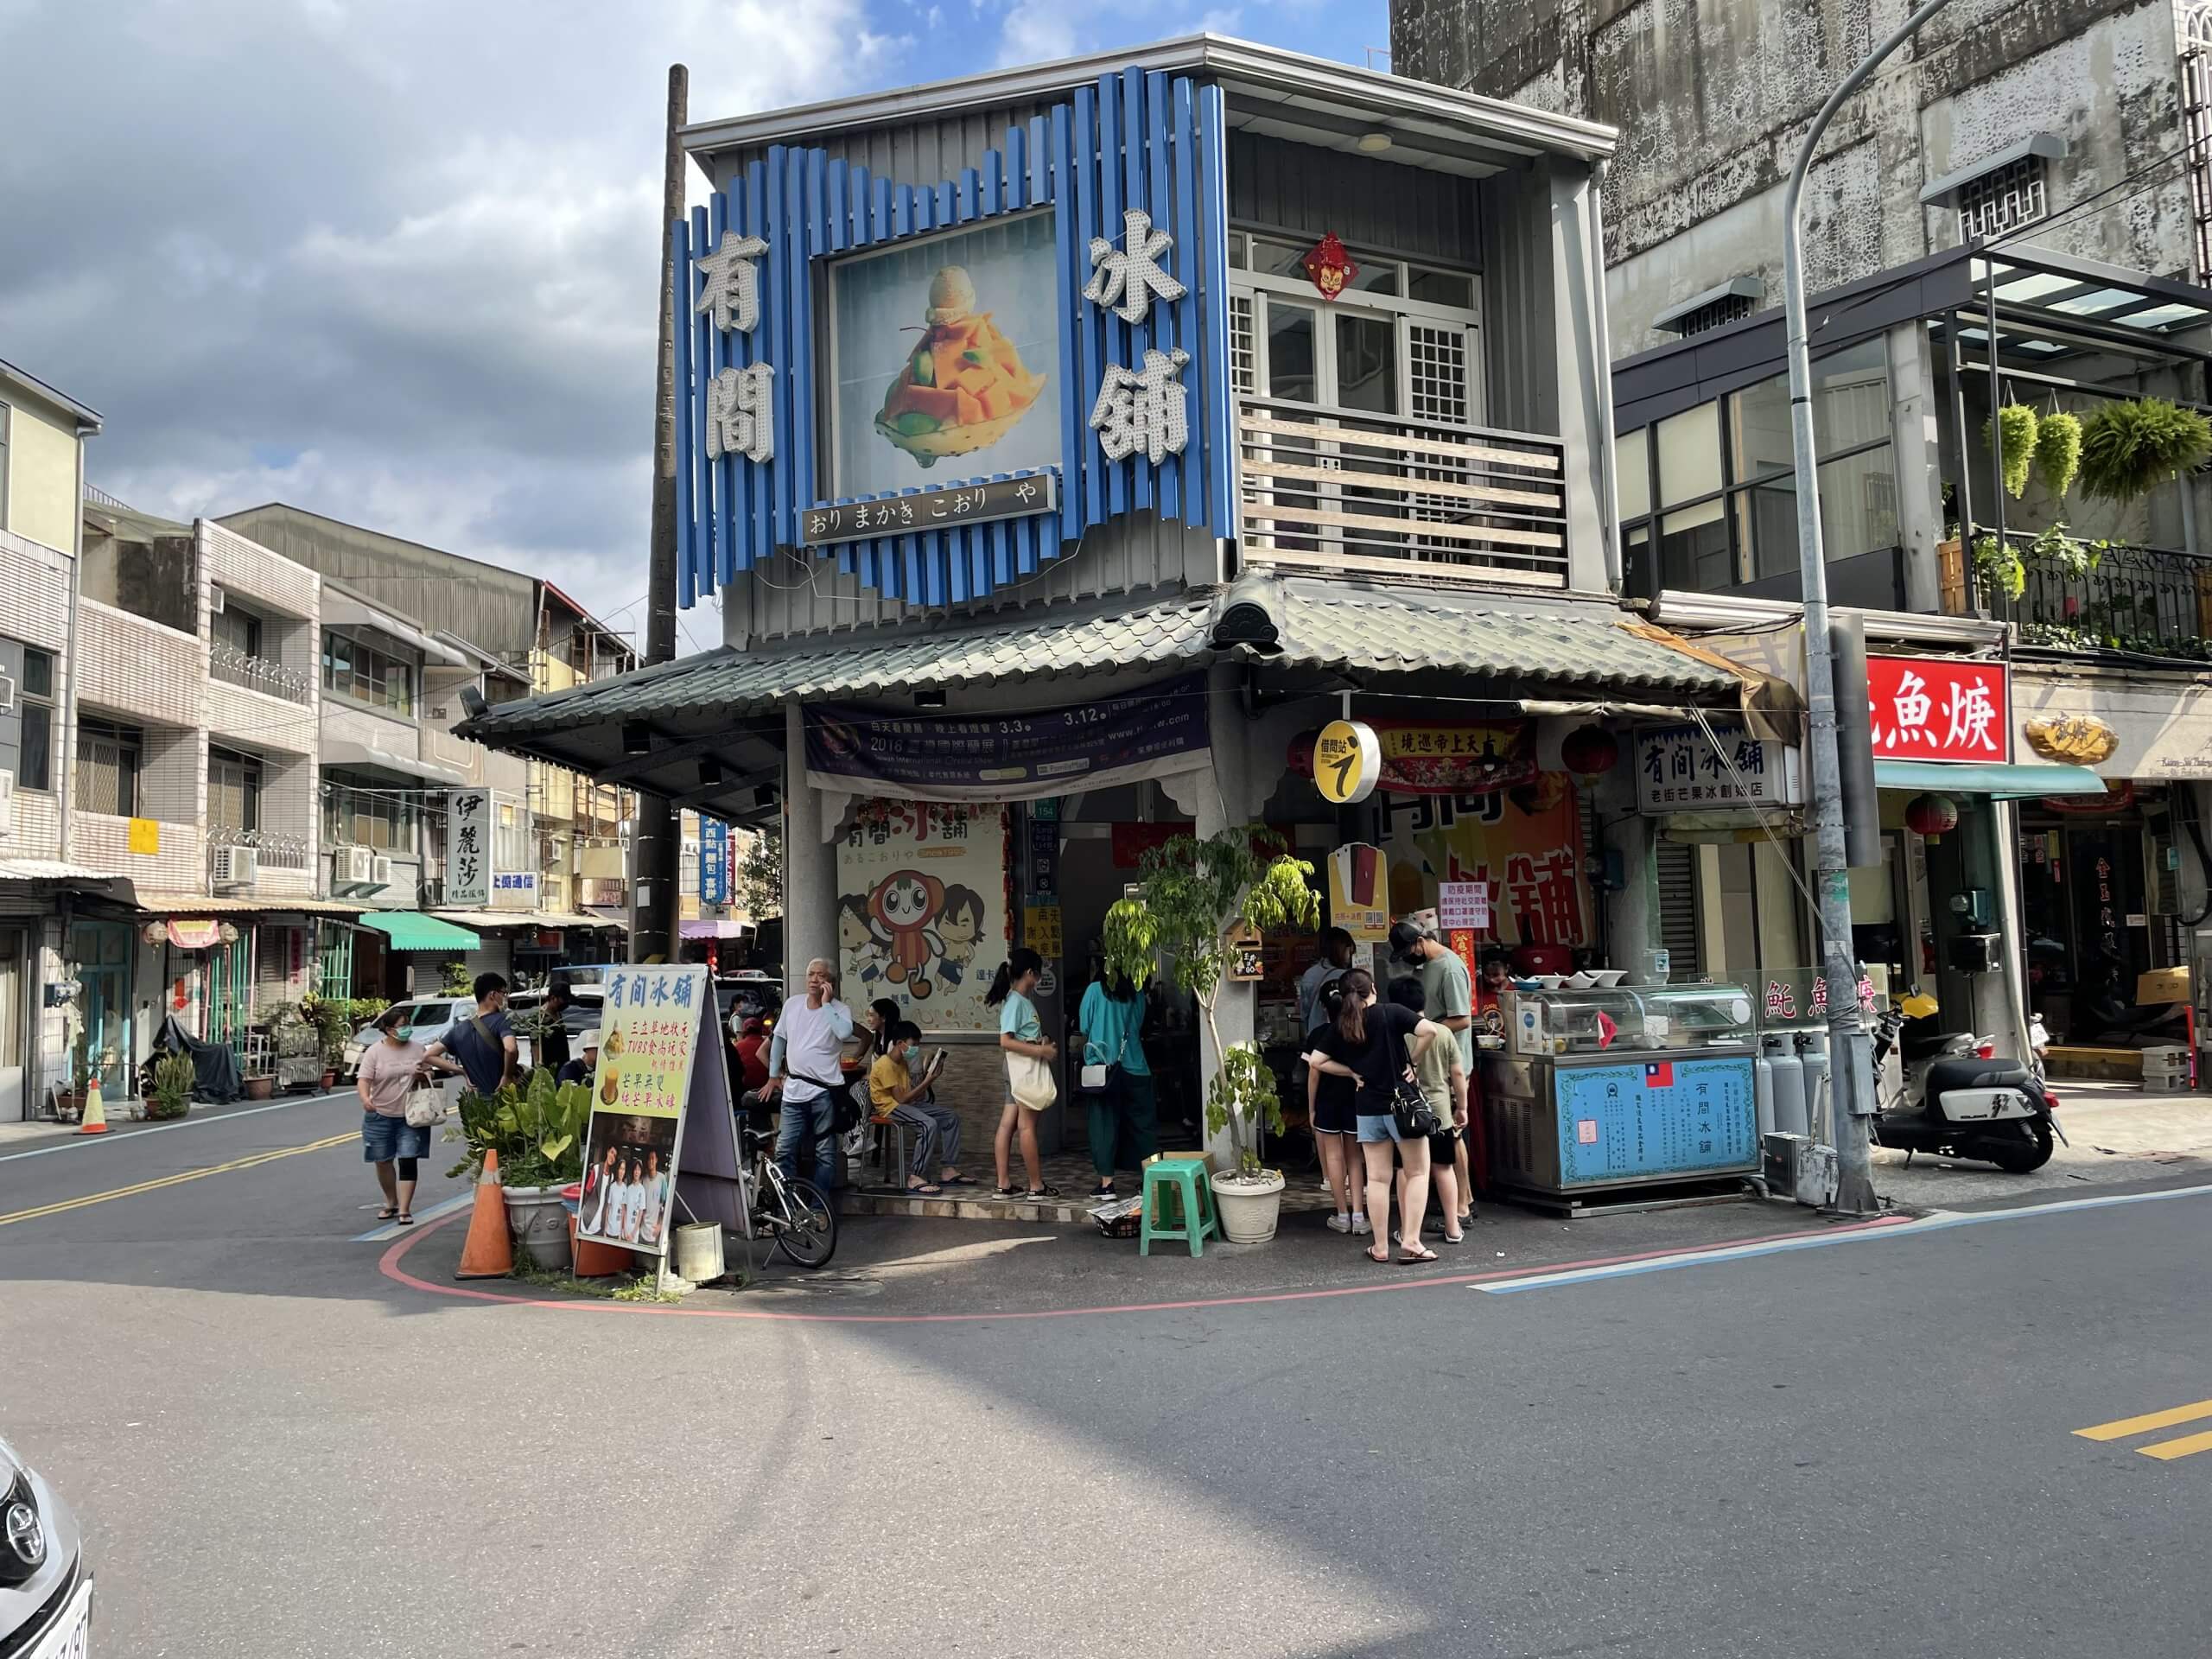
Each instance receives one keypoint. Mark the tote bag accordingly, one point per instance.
(1030, 1081)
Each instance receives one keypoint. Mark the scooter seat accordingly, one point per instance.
(1977, 1073)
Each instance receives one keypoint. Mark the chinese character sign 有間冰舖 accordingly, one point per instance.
(739, 400)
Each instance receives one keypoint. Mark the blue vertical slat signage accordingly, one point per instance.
(1155, 377)
(714, 862)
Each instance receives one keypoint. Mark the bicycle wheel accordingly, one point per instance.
(804, 1223)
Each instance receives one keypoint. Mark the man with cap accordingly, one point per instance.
(581, 1069)
(1447, 992)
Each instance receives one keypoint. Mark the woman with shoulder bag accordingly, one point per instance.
(390, 1069)
(1377, 1046)
(1029, 1057)
(1116, 1077)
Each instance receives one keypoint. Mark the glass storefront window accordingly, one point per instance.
(1851, 397)
(1758, 419)
(1694, 550)
(1632, 464)
(1766, 524)
(1689, 453)
(1858, 504)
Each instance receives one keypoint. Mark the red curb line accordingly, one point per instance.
(389, 1266)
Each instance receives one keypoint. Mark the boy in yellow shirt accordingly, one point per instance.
(898, 1088)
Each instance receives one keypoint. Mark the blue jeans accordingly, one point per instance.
(804, 1119)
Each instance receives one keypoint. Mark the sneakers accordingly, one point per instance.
(1340, 1223)
(1359, 1227)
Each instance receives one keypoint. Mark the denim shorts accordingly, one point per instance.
(383, 1139)
(1373, 1131)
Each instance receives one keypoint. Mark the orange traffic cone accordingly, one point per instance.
(95, 1121)
(489, 1253)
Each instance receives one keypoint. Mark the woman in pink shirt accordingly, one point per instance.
(389, 1068)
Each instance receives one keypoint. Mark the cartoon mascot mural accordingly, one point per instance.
(904, 904)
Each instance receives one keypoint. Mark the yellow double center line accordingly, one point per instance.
(2166, 1450)
(257, 1159)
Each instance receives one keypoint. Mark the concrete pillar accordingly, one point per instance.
(1225, 800)
(1632, 916)
(1917, 421)
(810, 863)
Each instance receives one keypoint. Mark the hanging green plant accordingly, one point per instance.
(2129, 448)
(2016, 424)
(2000, 565)
(2058, 451)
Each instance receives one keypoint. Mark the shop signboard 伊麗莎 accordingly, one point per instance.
(1152, 732)
(1522, 846)
(650, 1030)
(468, 849)
(1940, 708)
(1681, 769)
(922, 908)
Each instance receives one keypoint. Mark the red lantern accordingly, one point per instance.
(1330, 268)
(1590, 750)
(1932, 815)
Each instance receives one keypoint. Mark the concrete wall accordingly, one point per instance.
(35, 612)
(1713, 99)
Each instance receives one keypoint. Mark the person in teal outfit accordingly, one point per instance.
(1122, 1112)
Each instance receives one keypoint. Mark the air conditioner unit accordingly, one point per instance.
(233, 867)
(380, 872)
(7, 802)
(356, 866)
(215, 601)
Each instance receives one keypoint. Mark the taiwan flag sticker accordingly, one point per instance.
(1585, 1131)
(1659, 1074)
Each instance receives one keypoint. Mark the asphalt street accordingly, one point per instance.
(1830, 1443)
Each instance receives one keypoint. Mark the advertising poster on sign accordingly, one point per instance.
(922, 909)
(649, 1028)
(943, 351)
(1522, 846)
(1359, 892)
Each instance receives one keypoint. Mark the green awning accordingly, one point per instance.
(410, 930)
(1999, 782)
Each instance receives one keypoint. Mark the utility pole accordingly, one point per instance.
(655, 854)
(1851, 1067)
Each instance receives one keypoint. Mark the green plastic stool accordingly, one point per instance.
(1183, 1179)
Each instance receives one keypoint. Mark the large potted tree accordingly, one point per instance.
(538, 1133)
(1193, 896)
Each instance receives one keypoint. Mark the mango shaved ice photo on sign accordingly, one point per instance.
(963, 386)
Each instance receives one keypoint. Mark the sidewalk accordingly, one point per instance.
(2118, 1134)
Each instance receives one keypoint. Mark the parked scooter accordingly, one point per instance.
(1959, 1102)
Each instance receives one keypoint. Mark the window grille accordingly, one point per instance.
(2003, 199)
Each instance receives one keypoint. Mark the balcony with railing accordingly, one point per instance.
(231, 665)
(2088, 596)
(1345, 490)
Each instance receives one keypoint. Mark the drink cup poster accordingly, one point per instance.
(921, 909)
(942, 356)
(649, 1028)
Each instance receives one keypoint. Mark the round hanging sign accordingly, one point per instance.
(1347, 761)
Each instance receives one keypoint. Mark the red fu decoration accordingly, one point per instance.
(1932, 815)
(1330, 268)
(1590, 750)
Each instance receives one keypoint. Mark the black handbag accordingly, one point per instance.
(1415, 1118)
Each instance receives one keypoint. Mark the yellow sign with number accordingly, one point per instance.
(145, 836)
(1347, 761)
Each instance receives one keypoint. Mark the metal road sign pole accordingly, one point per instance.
(1850, 1061)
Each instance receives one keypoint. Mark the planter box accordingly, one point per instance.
(1248, 1212)
(538, 1221)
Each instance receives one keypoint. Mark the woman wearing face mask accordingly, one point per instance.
(1030, 1088)
(1377, 1045)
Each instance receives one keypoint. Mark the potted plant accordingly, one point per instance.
(332, 1031)
(1193, 896)
(174, 1079)
(538, 1133)
(2131, 447)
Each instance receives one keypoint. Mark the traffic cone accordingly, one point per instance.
(95, 1121)
(488, 1253)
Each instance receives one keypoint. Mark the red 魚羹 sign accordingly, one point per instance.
(1940, 708)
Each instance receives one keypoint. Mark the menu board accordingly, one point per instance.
(1644, 1118)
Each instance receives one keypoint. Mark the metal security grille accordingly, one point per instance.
(1721, 312)
(1436, 373)
(1678, 929)
(334, 963)
(107, 770)
(1243, 365)
(2002, 199)
(230, 994)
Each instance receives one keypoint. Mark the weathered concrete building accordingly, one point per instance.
(2001, 110)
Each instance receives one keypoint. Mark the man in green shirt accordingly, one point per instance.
(1447, 995)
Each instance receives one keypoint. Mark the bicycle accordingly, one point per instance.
(789, 1209)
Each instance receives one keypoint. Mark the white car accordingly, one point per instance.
(426, 1020)
(46, 1589)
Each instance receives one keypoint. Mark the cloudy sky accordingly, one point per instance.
(394, 260)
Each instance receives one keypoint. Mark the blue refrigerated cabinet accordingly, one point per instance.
(1607, 1090)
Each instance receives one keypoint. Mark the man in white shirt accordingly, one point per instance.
(809, 1042)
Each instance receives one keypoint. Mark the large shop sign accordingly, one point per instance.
(1681, 769)
(1940, 708)
(1151, 733)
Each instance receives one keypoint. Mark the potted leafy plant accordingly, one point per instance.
(174, 1079)
(2131, 447)
(538, 1133)
(332, 1031)
(1193, 896)
(2016, 424)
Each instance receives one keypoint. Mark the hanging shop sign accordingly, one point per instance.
(1522, 846)
(1153, 732)
(1347, 761)
(196, 934)
(714, 862)
(1431, 757)
(2074, 739)
(941, 509)
(468, 849)
(2118, 798)
(1680, 769)
(923, 909)
(1359, 891)
(1940, 708)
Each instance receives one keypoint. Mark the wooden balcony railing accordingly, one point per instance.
(1336, 490)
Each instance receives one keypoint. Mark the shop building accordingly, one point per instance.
(1067, 445)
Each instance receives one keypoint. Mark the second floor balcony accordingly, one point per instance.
(2068, 594)
(232, 666)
